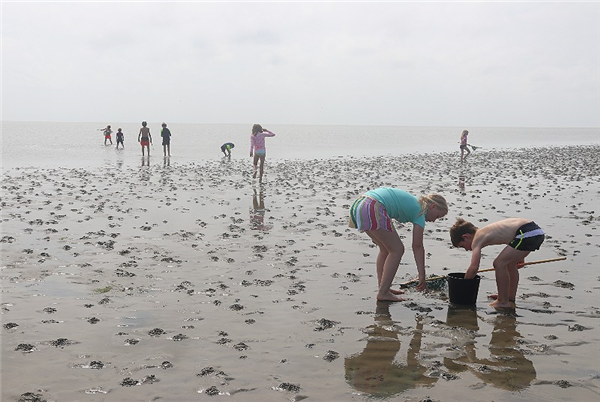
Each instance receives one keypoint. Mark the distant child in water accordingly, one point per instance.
(165, 133)
(373, 212)
(120, 138)
(226, 149)
(521, 236)
(463, 145)
(144, 137)
(258, 147)
(107, 132)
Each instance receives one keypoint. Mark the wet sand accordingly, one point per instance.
(185, 282)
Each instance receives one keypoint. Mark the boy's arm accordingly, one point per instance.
(475, 262)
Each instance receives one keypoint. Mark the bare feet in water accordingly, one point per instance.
(495, 297)
(497, 305)
(389, 296)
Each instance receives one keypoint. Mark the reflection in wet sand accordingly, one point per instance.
(461, 183)
(375, 370)
(506, 368)
(257, 213)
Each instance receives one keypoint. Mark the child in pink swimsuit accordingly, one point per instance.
(463, 145)
(258, 148)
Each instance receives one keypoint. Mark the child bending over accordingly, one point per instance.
(373, 212)
(521, 236)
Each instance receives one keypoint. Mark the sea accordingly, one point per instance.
(81, 145)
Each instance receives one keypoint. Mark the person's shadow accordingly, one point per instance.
(506, 368)
(375, 370)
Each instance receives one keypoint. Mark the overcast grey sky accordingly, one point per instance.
(517, 64)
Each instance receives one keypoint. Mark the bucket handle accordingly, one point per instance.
(437, 278)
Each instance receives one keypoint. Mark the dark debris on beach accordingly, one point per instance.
(189, 271)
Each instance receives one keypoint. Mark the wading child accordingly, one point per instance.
(226, 149)
(521, 236)
(120, 138)
(463, 145)
(373, 212)
(107, 132)
(144, 137)
(165, 133)
(258, 148)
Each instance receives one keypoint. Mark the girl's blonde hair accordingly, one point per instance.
(257, 128)
(435, 199)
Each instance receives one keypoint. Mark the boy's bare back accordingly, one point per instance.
(501, 232)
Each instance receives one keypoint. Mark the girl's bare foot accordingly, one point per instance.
(495, 297)
(396, 292)
(389, 296)
(498, 305)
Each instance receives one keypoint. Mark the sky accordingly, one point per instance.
(465, 64)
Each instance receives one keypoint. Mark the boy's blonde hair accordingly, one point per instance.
(435, 199)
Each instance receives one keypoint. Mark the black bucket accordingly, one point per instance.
(461, 290)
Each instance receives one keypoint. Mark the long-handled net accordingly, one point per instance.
(439, 282)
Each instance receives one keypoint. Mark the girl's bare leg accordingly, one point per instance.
(255, 165)
(381, 257)
(262, 167)
(391, 250)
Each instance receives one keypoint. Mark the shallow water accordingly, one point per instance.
(35, 144)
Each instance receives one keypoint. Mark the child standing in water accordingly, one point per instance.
(463, 145)
(521, 236)
(144, 137)
(258, 147)
(165, 133)
(373, 212)
(120, 138)
(107, 132)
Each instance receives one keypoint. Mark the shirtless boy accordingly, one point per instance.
(144, 137)
(521, 236)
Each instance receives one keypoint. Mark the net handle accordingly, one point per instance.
(437, 278)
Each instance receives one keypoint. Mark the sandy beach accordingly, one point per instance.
(191, 282)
